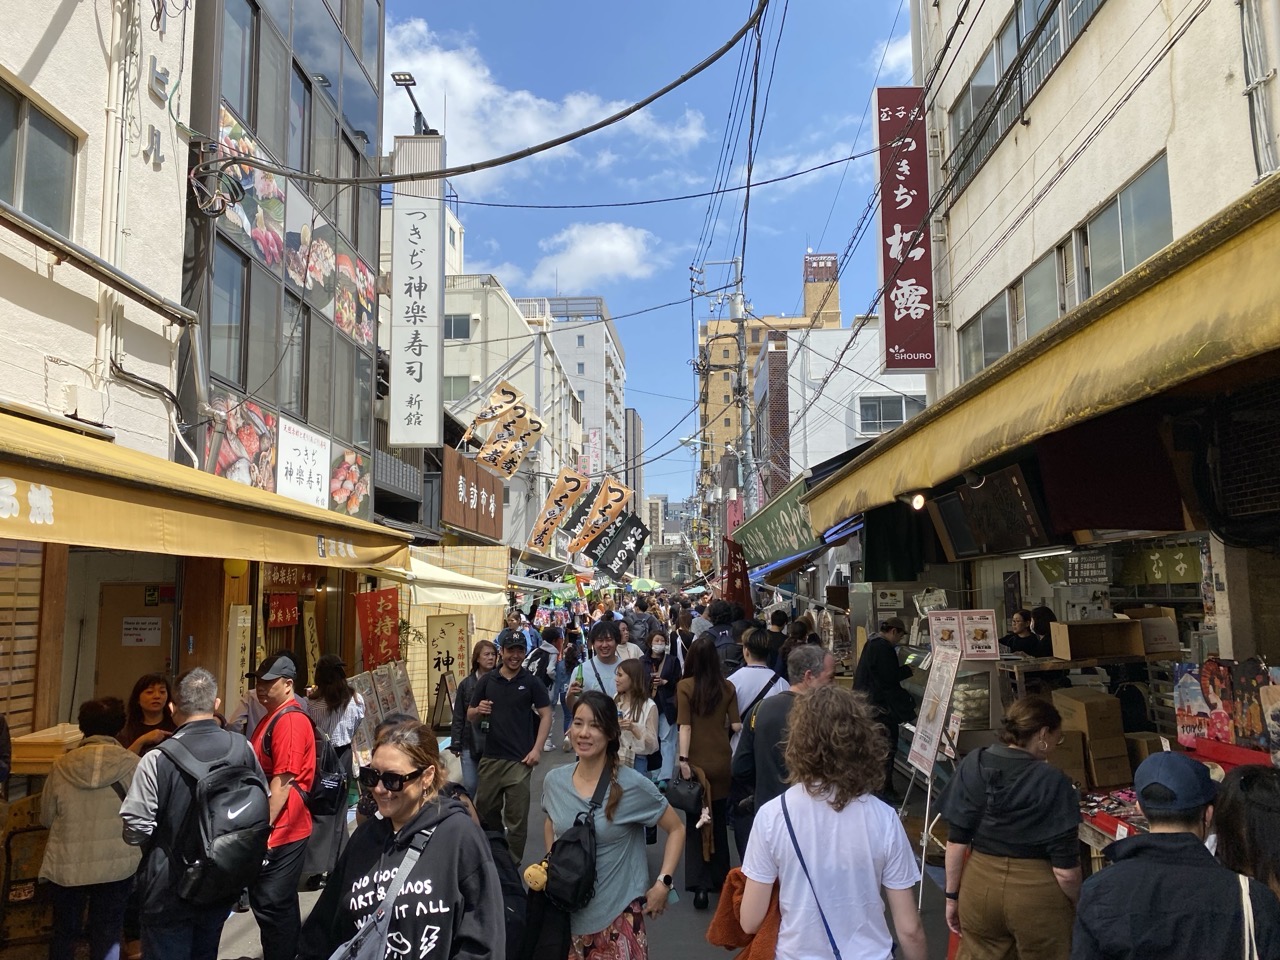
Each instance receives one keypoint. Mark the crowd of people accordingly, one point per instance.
(687, 721)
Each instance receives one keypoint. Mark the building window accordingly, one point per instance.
(295, 322)
(344, 375)
(582, 396)
(726, 377)
(985, 338)
(263, 335)
(582, 341)
(362, 397)
(227, 312)
(506, 495)
(457, 326)
(726, 421)
(1129, 229)
(453, 237)
(37, 162)
(320, 376)
(299, 152)
(755, 335)
(582, 368)
(726, 353)
(348, 167)
(1040, 295)
(455, 388)
(273, 94)
(879, 414)
(726, 398)
(239, 32)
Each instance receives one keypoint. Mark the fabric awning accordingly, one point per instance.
(58, 486)
(435, 585)
(1207, 301)
(779, 529)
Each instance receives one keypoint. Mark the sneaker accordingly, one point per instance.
(566, 747)
(548, 746)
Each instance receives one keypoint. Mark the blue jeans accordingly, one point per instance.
(470, 773)
(667, 743)
(193, 939)
(106, 918)
(641, 764)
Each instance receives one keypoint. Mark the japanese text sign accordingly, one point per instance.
(472, 498)
(906, 255)
(569, 488)
(597, 547)
(737, 584)
(302, 471)
(514, 437)
(415, 400)
(503, 398)
(625, 547)
(282, 609)
(378, 614)
(609, 504)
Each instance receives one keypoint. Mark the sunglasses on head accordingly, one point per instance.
(394, 782)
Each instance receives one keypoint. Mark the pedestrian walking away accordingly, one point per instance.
(336, 710)
(286, 747)
(517, 710)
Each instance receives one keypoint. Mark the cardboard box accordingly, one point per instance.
(1143, 613)
(1144, 744)
(1092, 712)
(1159, 628)
(1070, 753)
(1077, 775)
(1104, 748)
(1110, 771)
(1086, 639)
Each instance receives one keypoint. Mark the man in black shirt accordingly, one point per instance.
(1165, 895)
(506, 700)
(880, 676)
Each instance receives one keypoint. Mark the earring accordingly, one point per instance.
(1044, 746)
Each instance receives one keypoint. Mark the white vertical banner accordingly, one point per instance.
(416, 401)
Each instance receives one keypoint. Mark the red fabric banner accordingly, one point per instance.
(378, 616)
(737, 585)
(282, 609)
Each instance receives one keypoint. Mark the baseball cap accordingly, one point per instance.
(1187, 779)
(511, 638)
(893, 623)
(277, 667)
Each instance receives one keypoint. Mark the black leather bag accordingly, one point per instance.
(685, 795)
(571, 864)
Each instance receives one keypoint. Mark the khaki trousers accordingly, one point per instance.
(1013, 910)
(503, 798)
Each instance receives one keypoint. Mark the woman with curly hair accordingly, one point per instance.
(612, 924)
(830, 844)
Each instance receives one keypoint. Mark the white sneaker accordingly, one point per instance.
(548, 746)
(566, 747)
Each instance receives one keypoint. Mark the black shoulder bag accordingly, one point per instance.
(571, 864)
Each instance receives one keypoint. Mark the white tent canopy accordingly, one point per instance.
(435, 585)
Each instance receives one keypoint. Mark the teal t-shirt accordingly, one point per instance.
(622, 866)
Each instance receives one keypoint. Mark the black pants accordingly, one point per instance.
(891, 731)
(702, 874)
(274, 900)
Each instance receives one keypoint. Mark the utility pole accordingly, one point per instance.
(738, 314)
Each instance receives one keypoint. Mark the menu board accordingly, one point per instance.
(944, 629)
(933, 710)
(978, 635)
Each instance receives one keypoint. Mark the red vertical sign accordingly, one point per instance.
(737, 584)
(378, 614)
(906, 255)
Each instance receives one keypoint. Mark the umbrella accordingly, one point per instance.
(644, 584)
(696, 590)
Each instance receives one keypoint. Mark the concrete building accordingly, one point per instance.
(798, 427)
(654, 515)
(585, 336)
(633, 465)
(719, 413)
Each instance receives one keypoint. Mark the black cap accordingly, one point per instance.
(1188, 780)
(276, 667)
(511, 638)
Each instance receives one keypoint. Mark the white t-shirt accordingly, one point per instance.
(749, 680)
(851, 855)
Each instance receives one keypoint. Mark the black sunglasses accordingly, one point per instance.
(394, 782)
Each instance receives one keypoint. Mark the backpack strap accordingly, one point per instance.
(416, 846)
(287, 708)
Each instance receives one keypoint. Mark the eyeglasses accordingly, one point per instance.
(392, 781)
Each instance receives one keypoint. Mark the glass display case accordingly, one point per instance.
(976, 695)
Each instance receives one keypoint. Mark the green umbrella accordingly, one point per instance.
(644, 584)
(696, 590)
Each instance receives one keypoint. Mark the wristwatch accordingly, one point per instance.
(667, 880)
(683, 759)
(951, 896)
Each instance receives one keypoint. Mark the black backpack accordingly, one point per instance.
(328, 793)
(639, 626)
(571, 864)
(223, 838)
(727, 646)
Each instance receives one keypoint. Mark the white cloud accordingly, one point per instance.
(896, 53)
(482, 118)
(582, 256)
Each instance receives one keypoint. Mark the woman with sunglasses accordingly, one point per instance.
(1013, 856)
(450, 905)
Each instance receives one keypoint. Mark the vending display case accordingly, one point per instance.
(976, 695)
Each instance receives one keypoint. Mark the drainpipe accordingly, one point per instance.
(112, 175)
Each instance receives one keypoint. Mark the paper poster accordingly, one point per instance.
(953, 733)
(1249, 677)
(1190, 709)
(385, 689)
(362, 683)
(944, 629)
(933, 710)
(140, 632)
(239, 624)
(405, 702)
(978, 635)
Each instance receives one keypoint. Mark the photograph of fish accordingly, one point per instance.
(257, 221)
(247, 449)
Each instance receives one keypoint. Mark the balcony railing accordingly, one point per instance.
(398, 470)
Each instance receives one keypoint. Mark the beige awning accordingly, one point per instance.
(432, 584)
(57, 486)
(1207, 301)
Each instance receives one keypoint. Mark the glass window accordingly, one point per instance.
(226, 312)
(264, 335)
(1040, 295)
(372, 34)
(726, 421)
(324, 152)
(370, 219)
(985, 339)
(348, 166)
(455, 388)
(961, 116)
(582, 396)
(343, 387)
(317, 43)
(1105, 259)
(457, 326)
(913, 406)
(582, 341)
(582, 368)
(279, 11)
(1068, 293)
(726, 398)
(299, 121)
(453, 237)
(1008, 44)
(983, 83)
(320, 373)
(1146, 222)
(237, 56)
(878, 414)
(296, 320)
(726, 376)
(274, 68)
(10, 106)
(48, 187)
(726, 353)
(353, 20)
(755, 335)
(359, 105)
(363, 397)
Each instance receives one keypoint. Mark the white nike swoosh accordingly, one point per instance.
(232, 814)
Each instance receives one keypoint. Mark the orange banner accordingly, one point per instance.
(570, 487)
(503, 398)
(511, 441)
(610, 502)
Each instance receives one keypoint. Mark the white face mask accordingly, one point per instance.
(659, 648)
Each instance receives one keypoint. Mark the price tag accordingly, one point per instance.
(1164, 744)
(1122, 830)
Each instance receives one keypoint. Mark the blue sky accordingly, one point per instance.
(496, 76)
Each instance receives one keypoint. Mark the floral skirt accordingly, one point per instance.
(624, 939)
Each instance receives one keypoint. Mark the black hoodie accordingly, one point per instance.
(451, 903)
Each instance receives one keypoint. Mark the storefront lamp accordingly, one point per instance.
(235, 569)
(913, 500)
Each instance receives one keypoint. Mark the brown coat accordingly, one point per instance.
(725, 929)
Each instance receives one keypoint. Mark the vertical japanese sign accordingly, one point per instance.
(906, 255)
(447, 648)
(609, 504)
(378, 614)
(415, 411)
(502, 399)
(470, 498)
(239, 625)
(593, 451)
(737, 585)
(302, 471)
(569, 488)
(600, 543)
(517, 433)
(625, 547)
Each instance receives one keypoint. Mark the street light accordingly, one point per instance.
(402, 78)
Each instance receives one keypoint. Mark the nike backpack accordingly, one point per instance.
(328, 793)
(223, 838)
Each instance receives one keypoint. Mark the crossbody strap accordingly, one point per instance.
(764, 692)
(596, 671)
(597, 798)
(1246, 908)
(416, 846)
(803, 866)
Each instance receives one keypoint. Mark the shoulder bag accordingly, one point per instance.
(803, 866)
(370, 941)
(571, 864)
(1246, 908)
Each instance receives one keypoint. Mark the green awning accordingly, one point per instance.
(780, 529)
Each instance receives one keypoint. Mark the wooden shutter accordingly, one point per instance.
(20, 575)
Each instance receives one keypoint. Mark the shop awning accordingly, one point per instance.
(781, 528)
(436, 585)
(1207, 301)
(57, 486)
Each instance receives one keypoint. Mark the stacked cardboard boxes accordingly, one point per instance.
(1144, 744)
(1096, 715)
(1069, 757)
